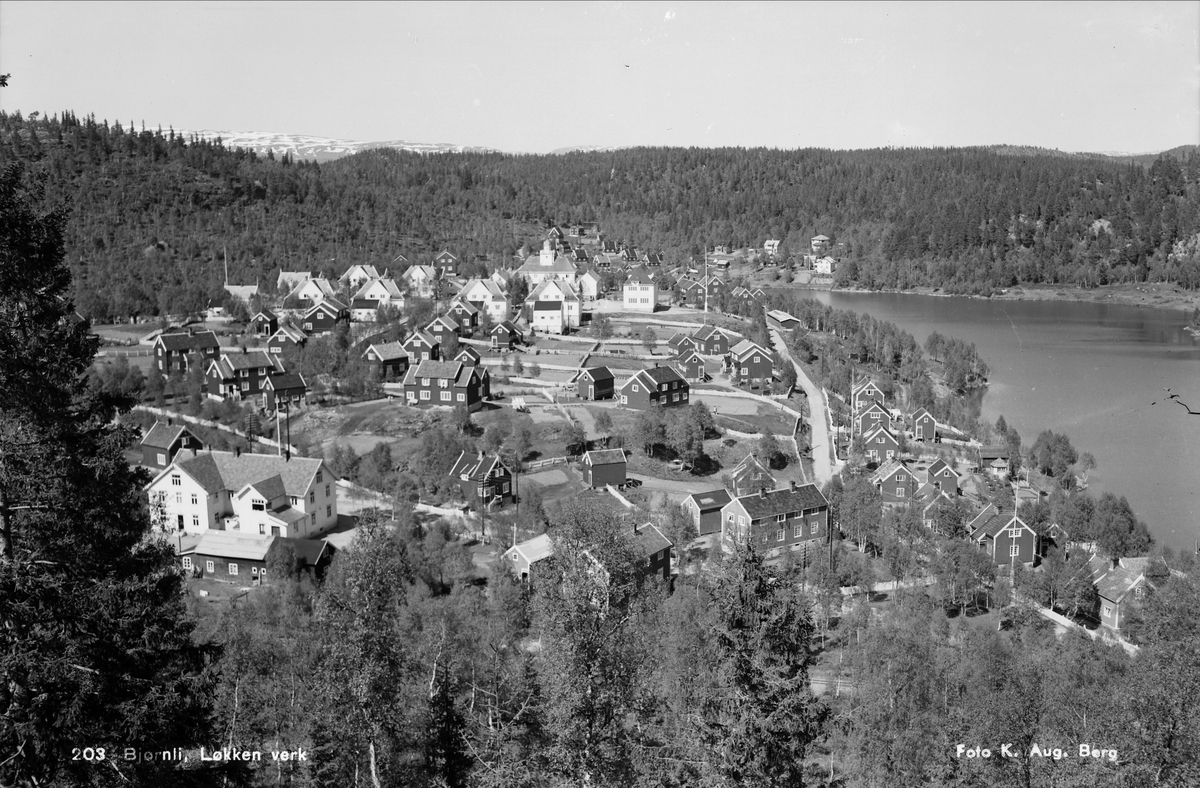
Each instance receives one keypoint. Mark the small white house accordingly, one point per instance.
(640, 292)
(554, 307)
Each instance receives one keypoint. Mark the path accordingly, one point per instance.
(824, 463)
(682, 489)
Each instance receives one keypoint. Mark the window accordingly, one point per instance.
(329, 511)
(812, 527)
(187, 562)
(1014, 550)
(446, 396)
(745, 371)
(900, 491)
(160, 363)
(320, 477)
(162, 459)
(741, 521)
(1107, 610)
(443, 383)
(779, 518)
(245, 386)
(424, 381)
(195, 521)
(327, 491)
(797, 530)
(312, 496)
(262, 529)
(195, 500)
(635, 390)
(254, 570)
(424, 395)
(308, 326)
(779, 535)
(175, 480)
(210, 567)
(461, 397)
(179, 498)
(233, 570)
(258, 505)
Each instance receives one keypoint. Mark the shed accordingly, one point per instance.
(602, 467)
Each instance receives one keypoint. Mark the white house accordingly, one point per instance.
(554, 307)
(312, 291)
(825, 265)
(374, 295)
(640, 292)
(589, 286)
(548, 264)
(487, 296)
(250, 494)
(358, 275)
(421, 280)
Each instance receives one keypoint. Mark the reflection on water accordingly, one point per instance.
(1090, 370)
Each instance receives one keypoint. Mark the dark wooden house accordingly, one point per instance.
(653, 388)
(388, 360)
(164, 441)
(603, 467)
(595, 383)
(483, 477)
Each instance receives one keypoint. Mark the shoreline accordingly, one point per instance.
(1157, 295)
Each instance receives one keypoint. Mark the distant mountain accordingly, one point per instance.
(303, 146)
(1178, 153)
(587, 149)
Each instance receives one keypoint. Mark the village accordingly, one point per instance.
(590, 371)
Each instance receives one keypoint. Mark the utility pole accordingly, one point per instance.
(705, 280)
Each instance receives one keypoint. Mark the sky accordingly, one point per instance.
(535, 77)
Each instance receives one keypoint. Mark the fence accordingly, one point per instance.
(546, 463)
(216, 425)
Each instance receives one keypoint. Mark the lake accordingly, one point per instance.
(1089, 370)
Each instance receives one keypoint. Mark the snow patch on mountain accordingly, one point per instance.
(303, 146)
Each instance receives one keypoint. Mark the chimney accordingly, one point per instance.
(1116, 563)
(481, 454)
(237, 451)
(793, 483)
(636, 527)
(762, 492)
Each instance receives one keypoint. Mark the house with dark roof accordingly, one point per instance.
(248, 494)
(164, 441)
(241, 376)
(324, 317)
(504, 335)
(942, 476)
(791, 518)
(287, 336)
(654, 387)
(869, 418)
(284, 390)
(1122, 583)
(1004, 537)
(602, 467)
(173, 352)
(705, 510)
(449, 383)
(264, 323)
(483, 477)
(595, 383)
(655, 549)
(711, 341)
(422, 346)
(233, 558)
(680, 342)
(924, 426)
(443, 328)
(749, 476)
(465, 314)
(469, 356)
(388, 360)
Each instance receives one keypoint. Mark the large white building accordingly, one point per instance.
(554, 307)
(249, 494)
(640, 292)
(487, 295)
(548, 264)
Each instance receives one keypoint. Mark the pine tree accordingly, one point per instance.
(95, 649)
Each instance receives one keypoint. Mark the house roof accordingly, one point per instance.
(490, 285)
(535, 549)
(464, 306)
(746, 347)
(290, 333)
(704, 332)
(639, 276)
(475, 466)
(223, 470)
(780, 316)
(748, 469)
(188, 341)
(710, 501)
(650, 540)
(270, 488)
(253, 359)
(940, 466)
(388, 351)
(890, 468)
(322, 285)
(309, 551)
(421, 336)
(597, 374)
(767, 503)
(1115, 582)
(604, 456)
(991, 527)
(467, 350)
(660, 375)
(689, 356)
(264, 313)
(285, 381)
(363, 270)
(237, 547)
(680, 338)
(565, 288)
(330, 306)
(389, 287)
(874, 432)
(506, 325)
(435, 369)
(162, 435)
(418, 271)
(562, 264)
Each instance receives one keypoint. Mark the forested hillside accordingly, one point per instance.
(153, 215)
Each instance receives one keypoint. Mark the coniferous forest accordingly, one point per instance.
(154, 217)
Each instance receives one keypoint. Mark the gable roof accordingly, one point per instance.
(940, 466)
(803, 497)
(387, 351)
(285, 381)
(710, 501)
(746, 347)
(490, 285)
(162, 435)
(874, 432)
(288, 332)
(604, 456)
(463, 305)
(991, 527)
(434, 369)
(535, 549)
(264, 313)
(888, 469)
(188, 341)
(244, 547)
(658, 375)
(1115, 582)
(650, 540)
(364, 270)
(596, 374)
(505, 325)
(475, 466)
(564, 288)
(421, 336)
(223, 470)
(390, 288)
(639, 276)
(330, 306)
